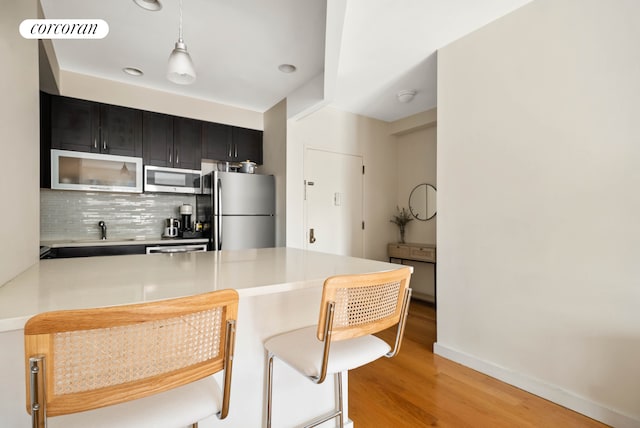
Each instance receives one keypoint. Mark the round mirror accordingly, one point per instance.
(422, 202)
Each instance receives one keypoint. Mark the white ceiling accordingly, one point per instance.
(383, 46)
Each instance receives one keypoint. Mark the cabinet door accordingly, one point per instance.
(157, 137)
(120, 131)
(187, 143)
(216, 141)
(247, 145)
(74, 124)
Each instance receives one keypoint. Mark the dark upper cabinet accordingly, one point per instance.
(216, 141)
(229, 143)
(171, 141)
(247, 145)
(87, 126)
(187, 143)
(157, 138)
(75, 124)
(120, 131)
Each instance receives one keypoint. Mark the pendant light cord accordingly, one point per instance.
(180, 25)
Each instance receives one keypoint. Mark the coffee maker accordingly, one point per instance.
(171, 228)
(186, 229)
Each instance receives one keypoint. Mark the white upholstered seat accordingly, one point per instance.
(179, 407)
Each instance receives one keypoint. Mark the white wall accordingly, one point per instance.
(539, 203)
(347, 133)
(19, 142)
(417, 165)
(275, 162)
(415, 141)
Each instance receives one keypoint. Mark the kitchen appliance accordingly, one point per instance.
(247, 167)
(186, 210)
(173, 249)
(238, 210)
(172, 227)
(171, 180)
(95, 172)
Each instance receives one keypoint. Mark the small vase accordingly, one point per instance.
(402, 235)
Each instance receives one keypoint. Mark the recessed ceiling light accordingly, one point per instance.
(133, 71)
(287, 68)
(152, 5)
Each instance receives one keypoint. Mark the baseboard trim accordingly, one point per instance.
(542, 389)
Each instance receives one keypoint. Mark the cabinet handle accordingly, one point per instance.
(177, 157)
(235, 150)
(229, 149)
(170, 156)
(312, 237)
(104, 145)
(95, 143)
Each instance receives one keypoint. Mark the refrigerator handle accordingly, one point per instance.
(219, 184)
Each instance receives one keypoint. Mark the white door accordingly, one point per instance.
(333, 203)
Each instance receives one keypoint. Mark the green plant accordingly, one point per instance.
(401, 219)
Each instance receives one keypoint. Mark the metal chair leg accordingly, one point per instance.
(269, 388)
(340, 402)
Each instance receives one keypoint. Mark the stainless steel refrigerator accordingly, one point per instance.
(238, 210)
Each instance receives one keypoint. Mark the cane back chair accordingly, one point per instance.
(353, 308)
(146, 364)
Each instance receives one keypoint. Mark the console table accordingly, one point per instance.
(424, 253)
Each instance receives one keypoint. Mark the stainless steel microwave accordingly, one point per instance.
(172, 180)
(95, 172)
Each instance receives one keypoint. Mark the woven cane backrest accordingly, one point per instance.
(363, 304)
(105, 356)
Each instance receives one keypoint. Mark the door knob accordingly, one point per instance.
(312, 238)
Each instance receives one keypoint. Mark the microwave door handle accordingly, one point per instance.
(219, 214)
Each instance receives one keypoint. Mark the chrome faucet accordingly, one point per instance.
(103, 231)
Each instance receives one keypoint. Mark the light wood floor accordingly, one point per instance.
(419, 389)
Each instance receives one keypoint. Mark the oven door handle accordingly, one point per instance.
(170, 250)
(174, 250)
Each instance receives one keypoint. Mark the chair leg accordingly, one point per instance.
(338, 412)
(194, 425)
(340, 402)
(269, 387)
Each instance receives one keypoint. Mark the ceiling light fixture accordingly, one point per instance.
(406, 96)
(133, 71)
(152, 5)
(287, 68)
(181, 69)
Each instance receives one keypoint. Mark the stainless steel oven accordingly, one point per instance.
(174, 249)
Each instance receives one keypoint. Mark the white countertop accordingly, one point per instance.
(121, 241)
(114, 280)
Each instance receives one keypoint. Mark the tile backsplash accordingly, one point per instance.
(74, 215)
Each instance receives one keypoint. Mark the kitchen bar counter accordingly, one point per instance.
(279, 290)
(122, 241)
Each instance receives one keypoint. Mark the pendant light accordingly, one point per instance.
(181, 69)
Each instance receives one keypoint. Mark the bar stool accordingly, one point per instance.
(147, 364)
(353, 308)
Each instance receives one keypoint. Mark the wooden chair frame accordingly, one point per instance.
(40, 353)
(328, 332)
